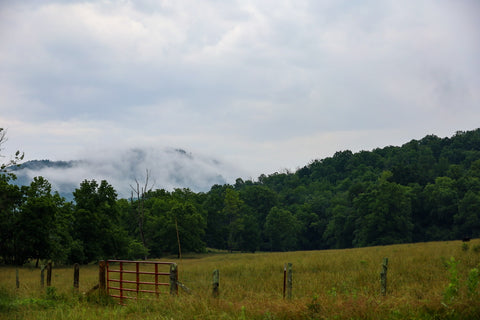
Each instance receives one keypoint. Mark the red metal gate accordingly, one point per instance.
(132, 279)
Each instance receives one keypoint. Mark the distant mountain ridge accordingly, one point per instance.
(168, 168)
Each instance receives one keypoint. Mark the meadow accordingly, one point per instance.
(435, 280)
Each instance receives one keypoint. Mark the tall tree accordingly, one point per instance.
(96, 222)
(37, 222)
(232, 210)
(281, 229)
(180, 229)
(384, 214)
(441, 205)
(140, 193)
(467, 220)
(10, 202)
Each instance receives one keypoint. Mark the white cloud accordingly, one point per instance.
(262, 84)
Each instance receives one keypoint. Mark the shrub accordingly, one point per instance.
(472, 281)
(451, 291)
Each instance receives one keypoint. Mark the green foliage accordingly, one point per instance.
(386, 212)
(51, 293)
(424, 190)
(96, 223)
(314, 307)
(281, 229)
(467, 220)
(136, 250)
(473, 281)
(7, 301)
(451, 292)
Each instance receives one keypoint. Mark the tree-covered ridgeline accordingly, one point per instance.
(425, 190)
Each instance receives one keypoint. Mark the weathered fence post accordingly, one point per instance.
(102, 286)
(173, 279)
(289, 281)
(42, 276)
(216, 283)
(17, 280)
(383, 276)
(137, 270)
(76, 276)
(49, 274)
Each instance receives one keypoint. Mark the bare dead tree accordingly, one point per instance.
(15, 159)
(139, 193)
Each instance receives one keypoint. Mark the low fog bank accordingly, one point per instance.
(168, 169)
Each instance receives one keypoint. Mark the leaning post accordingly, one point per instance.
(173, 279)
(383, 276)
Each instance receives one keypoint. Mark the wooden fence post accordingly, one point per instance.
(383, 276)
(17, 280)
(216, 283)
(284, 279)
(42, 276)
(76, 276)
(173, 279)
(289, 281)
(49, 274)
(102, 286)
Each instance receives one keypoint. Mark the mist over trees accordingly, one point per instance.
(424, 190)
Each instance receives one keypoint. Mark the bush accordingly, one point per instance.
(136, 250)
(472, 281)
(451, 291)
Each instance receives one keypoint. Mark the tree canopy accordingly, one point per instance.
(424, 190)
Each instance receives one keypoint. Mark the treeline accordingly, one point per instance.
(425, 190)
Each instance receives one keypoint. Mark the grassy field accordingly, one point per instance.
(425, 281)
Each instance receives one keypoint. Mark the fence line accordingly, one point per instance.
(120, 287)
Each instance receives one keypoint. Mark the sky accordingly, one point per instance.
(261, 86)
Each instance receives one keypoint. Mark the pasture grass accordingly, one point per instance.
(330, 284)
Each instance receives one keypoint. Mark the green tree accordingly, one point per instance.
(441, 205)
(96, 226)
(339, 232)
(36, 224)
(467, 220)
(217, 222)
(281, 228)
(245, 234)
(260, 199)
(384, 214)
(182, 223)
(10, 202)
(232, 210)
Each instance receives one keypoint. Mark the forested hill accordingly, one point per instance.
(427, 189)
(424, 190)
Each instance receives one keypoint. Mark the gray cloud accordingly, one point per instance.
(261, 84)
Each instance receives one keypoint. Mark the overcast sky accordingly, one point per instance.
(261, 85)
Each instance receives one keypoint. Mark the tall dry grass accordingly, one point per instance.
(331, 284)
